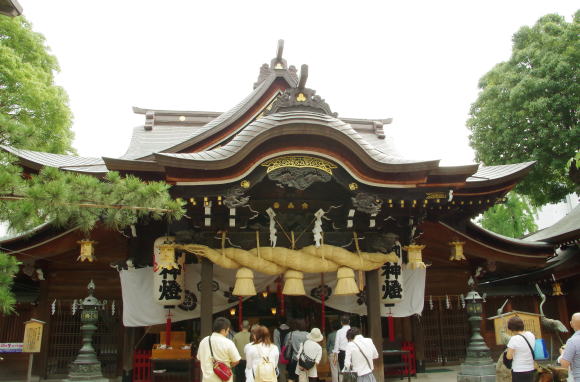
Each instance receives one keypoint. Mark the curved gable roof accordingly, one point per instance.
(287, 123)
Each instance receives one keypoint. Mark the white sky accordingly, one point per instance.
(416, 61)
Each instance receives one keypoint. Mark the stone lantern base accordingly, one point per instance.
(476, 373)
(85, 372)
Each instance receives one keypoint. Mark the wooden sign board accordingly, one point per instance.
(32, 336)
(531, 323)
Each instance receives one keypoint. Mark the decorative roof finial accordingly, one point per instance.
(278, 62)
(300, 98)
(303, 77)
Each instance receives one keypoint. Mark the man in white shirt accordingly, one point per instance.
(223, 350)
(360, 353)
(340, 343)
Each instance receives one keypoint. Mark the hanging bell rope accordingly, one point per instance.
(346, 284)
(244, 285)
(360, 272)
(294, 283)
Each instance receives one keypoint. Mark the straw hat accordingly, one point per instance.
(315, 335)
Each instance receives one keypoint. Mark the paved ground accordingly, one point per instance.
(446, 376)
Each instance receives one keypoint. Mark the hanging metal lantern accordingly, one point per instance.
(557, 289)
(457, 251)
(415, 256)
(346, 284)
(294, 284)
(87, 250)
(168, 273)
(244, 285)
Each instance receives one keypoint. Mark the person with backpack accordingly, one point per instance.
(262, 357)
(359, 355)
(521, 351)
(280, 334)
(308, 356)
(217, 354)
(292, 343)
(249, 372)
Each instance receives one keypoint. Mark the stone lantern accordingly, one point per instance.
(478, 365)
(86, 367)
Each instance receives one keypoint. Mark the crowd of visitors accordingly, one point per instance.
(291, 353)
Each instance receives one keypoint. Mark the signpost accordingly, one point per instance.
(32, 341)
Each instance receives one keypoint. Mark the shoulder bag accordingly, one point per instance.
(305, 361)
(223, 371)
(536, 366)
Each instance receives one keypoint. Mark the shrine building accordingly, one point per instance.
(293, 212)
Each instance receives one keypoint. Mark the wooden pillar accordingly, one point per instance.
(129, 338)
(44, 314)
(374, 320)
(206, 308)
(419, 340)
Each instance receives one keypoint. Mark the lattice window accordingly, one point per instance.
(446, 331)
(65, 340)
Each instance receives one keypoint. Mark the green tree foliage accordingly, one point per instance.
(515, 218)
(34, 115)
(528, 107)
(34, 112)
(8, 267)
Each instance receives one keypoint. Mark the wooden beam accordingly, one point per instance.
(206, 309)
(374, 320)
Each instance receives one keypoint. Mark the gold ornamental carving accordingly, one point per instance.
(298, 162)
(435, 195)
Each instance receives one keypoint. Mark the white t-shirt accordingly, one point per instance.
(523, 357)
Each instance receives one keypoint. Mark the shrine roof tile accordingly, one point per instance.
(36, 160)
(564, 230)
(290, 120)
(486, 173)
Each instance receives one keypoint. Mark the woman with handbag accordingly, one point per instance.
(520, 351)
(309, 355)
(358, 360)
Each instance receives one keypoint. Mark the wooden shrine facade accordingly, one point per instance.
(280, 169)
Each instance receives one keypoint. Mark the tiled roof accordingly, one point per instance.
(37, 160)
(486, 173)
(567, 228)
(303, 118)
(175, 137)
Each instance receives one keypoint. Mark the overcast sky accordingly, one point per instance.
(418, 62)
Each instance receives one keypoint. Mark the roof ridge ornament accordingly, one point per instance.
(277, 63)
(301, 98)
